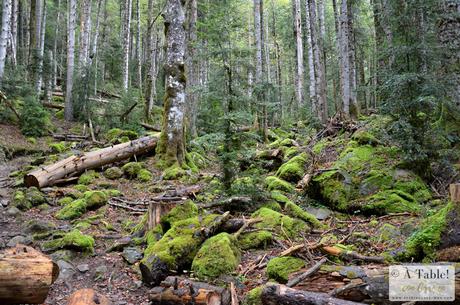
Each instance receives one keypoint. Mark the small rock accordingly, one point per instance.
(65, 255)
(120, 244)
(352, 272)
(4, 202)
(83, 268)
(66, 270)
(13, 211)
(2, 244)
(39, 226)
(132, 254)
(100, 272)
(319, 213)
(19, 240)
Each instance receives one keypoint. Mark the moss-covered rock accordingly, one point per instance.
(281, 224)
(74, 240)
(88, 177)
(275, 183)
(117, 135)
(294, 169)
(180, 212)
(217, 256)
(254, 240)
(294, 210)
(174, 172)
(132, 169)
(144, 175)
(57, 148)
(81, 188)
(364, 137)
(95, 199)
(279, 268)
(254, 296)
(31, 197)
(72, 210)
(113, 173)
(65, 200)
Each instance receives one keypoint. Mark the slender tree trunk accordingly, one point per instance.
(56, 35)
(14, 31)
(104, 43)
(345, 59)
(95, 42)
(192, 75)
(138, 46)
(354, 107)
(41, 51)
(260, 69)
(299, 53)
(126, 41)
(278, 77)
(149, 94)
(171, 147)
(311, 64)
(6, 13)
(72, 22)
(85, 33)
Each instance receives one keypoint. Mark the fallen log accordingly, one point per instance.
(176, 290)
(69, 137)
(53, 105)
(87, 297)
(176, 249)
(150, 127)
(25, 275)
(75, 164)
(276, 294)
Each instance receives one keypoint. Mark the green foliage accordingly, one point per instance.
(34, 118)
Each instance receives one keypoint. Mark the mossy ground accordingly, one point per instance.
(279, 268)
(74, 240)
(282, 224)
(275, 183)
(294, 169)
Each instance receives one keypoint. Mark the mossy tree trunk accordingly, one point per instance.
(171, 147)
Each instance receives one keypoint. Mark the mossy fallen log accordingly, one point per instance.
(177, 248)
(76, 164)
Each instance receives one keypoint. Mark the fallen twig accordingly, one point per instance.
(307, 273)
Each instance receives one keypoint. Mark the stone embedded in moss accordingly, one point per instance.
(294, 210)
(254, 240)
(95, 199)
(65, 200)
(281, 224)
(275, 183)
(180, 212)
(113, 173)
(217, 256)
(391, 201)
(88, 177)
(72, 210)
(279, 268)
(132, 169)
(174, 172)
(29, 198)
(74, 240)
(254, 296)
(294, 169)
(144, 175)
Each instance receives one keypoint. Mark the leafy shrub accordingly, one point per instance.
(34, 118)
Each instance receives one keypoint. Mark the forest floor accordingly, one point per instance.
(110, 273)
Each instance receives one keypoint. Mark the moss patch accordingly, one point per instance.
(88, 177)
(72, 210)
(294, 210)
(65, 200)
(275, 183)
(57, 148)
(144, 175)
(132, 169)
(254, 240)
(294, 169)
(174, 172)
(117, 135)
(282, 224)
(113, 173)
(254, 297)
(95, 199)
(180, 212)
(30, 197)
(279, 268)
(74, 240)
(217, 256)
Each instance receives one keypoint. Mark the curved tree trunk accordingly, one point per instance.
(172, 141)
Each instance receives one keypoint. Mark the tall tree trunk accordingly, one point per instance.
(260, 69)
(278, 70)
(171, 147)
(320, 71)
(126, 42)
(14, 31)
(149, 94)
(95, 41)
(85, 33)
(72, 22)
(56, 35)
(104, 45)
(138, 46)
(6, 13)
(299, 53)
(41, 51)
(311, 63)
(354, 107)
(192, 71)
(345, 59)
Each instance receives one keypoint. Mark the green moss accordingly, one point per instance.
(254, 240)
(279, 197)
(112, 193)
(424, 242)
(320, 145)
(275, 183)
(19, 201)
(58, 148)
(191, 163)
(391, 201)
(279, 268)
(291, 152)
(294, 169)
(294, 210)
(174, 172)
(154, 235)
(254, 296)
(65, 200)
(217, 256)
(281, 224)
(364, 137)
(200, 161)
(113, 173)
(29, 198)
(132, 169)
(144, 175)
(81, 188)
(95, 199)
(272, 205)
(73, 240)
(88, 177)
(180, 212)
(115, 135)
(72, 210)
(60, 114)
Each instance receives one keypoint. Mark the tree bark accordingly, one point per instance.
(299, 53)
(87, 297)
(25, 275)
(72, 20)
(192, 71)
(138, 46)
(6, 13)
(151, 49)
(55, 45)
(345, 58)
(41, 50)
(14, 31)
(126, 41)
(176, 290)
(311, 64)
(275, 294)
(95, 41)
(172, 141)
(76, 164)
(85, 33)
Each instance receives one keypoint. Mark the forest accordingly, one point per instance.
(226, 152)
